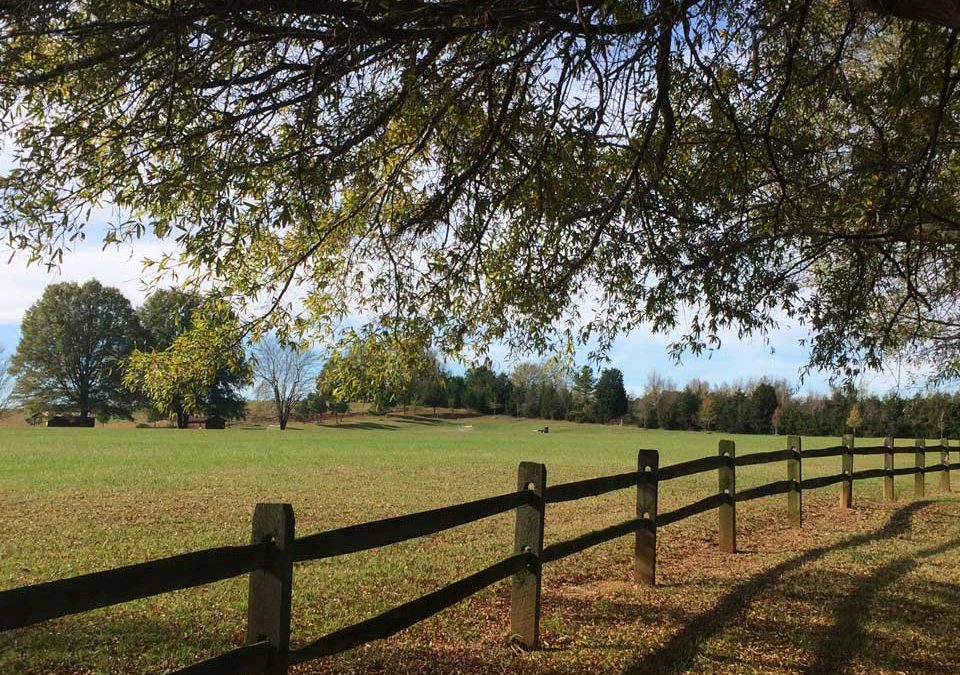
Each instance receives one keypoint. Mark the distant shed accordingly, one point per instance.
(74, 421)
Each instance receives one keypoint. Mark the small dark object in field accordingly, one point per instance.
(70, 421)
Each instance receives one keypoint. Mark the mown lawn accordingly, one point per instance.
(872, 589)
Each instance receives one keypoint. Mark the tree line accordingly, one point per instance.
(84, 349)
(769, 406)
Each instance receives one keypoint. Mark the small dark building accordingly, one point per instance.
(212, 422)
(215, 423)
(74, 421)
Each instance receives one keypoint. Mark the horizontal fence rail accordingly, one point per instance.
(705, 504)
(562, 549)
(33, 604)
(269, 560)
(690, 468)
(395, 620)
(832, 451)
(591, 487)
(778, 488)
(820, 481)
(403, 528)
(765, 457)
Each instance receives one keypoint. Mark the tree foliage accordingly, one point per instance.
(611, 397)
(73, 344)
(474, 171)
(187, 377)
(166, 315)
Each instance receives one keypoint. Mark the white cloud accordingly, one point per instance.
(119, 266)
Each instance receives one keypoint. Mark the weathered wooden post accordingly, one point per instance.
(645, 546)
(945, 463)
(794, 475)
(888, 493)
(528, 538)
(727, 484)
(920, 461)
(268, 604)
(846, 486)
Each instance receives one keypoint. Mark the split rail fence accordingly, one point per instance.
(269, 559)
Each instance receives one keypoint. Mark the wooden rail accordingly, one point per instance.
(269, 558)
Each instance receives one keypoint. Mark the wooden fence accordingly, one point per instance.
(269, 558)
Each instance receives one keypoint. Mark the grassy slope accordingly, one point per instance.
(864, 588)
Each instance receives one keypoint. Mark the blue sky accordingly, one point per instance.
(636, 354)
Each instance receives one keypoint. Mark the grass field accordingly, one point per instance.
(872, 589)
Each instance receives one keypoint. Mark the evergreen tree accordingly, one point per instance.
(611, 397)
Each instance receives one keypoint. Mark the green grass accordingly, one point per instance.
(869, 587)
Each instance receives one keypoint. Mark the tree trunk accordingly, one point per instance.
(183, 420)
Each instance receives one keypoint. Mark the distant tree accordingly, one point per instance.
(652, 418)
(454, 386)
(165, 316)
(707, 416)
(435, 394)
(375, 368)
(527, 380)
(502, 393)
(775, 420)
(73, 344)
(688, 408)
(336, 402)
(479, 388)
(285, 373)
(763, 401)
(199, 372)
(584, 383)
(611, 397)
(854, 418)
(310, 408)
(431, 386)
(669, 411)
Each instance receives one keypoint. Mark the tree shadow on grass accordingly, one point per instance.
(417, 419)
(367, 426)
(842, 641)
(106, 641)
(847, 636)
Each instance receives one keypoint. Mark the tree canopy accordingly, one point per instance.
(535, 172)
(199, 371)
(166, 315)
(73, 344)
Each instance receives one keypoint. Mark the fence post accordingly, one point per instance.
(645, 546)
(268, 604)
(795, 475)
(846, 486)
(919, 478)
(945, 462)
(528, 538)
(888, 493)
(727, 484)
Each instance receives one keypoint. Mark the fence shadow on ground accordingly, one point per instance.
(837, 644)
